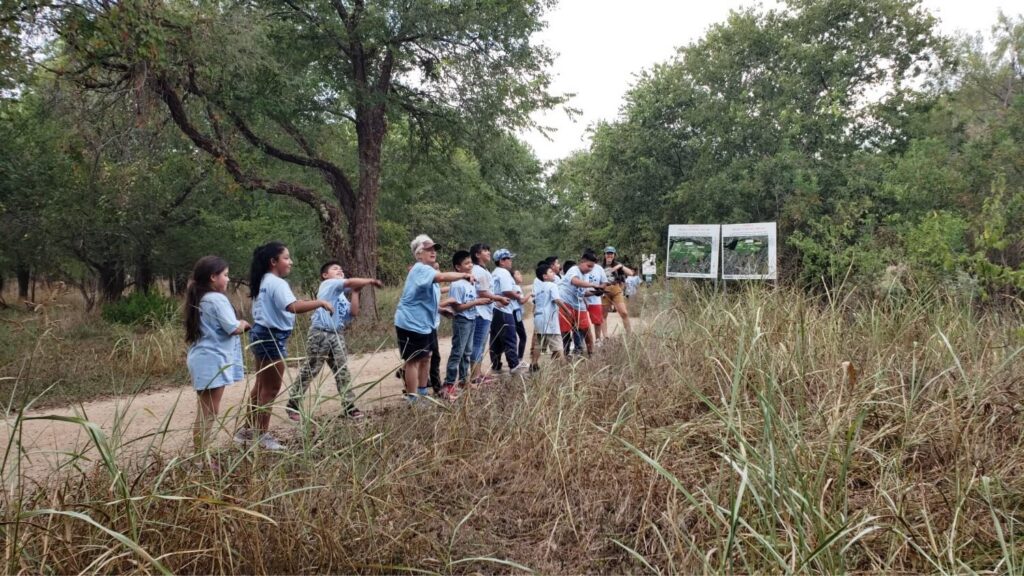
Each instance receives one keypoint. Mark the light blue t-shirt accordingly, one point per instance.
(269, 308)
(484, 283)
(418, 307)
(572, 295)
(545, 311)
(632, 283)
(463, 291)
(333, 291)
(596, 276)
(215, 359)
(503, 282)
(516, 306)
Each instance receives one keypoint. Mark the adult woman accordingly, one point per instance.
(415, 317)
(617, 273)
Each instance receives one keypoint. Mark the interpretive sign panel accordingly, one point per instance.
(749, 251)
(693, 251)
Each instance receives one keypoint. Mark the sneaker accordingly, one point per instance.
(268, 442)
(449, 393)
(520, 369)
(293, 413)
(354, 413)
(243, 436)
(534, 368)
(411, 399)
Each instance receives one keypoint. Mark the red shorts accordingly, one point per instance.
(596, 314)
(570, 319)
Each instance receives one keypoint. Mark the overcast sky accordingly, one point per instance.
(602, 45)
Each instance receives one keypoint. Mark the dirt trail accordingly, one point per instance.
(162, 420)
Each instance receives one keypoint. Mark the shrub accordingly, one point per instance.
(141, 309)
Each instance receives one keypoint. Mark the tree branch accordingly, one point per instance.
(250, 182)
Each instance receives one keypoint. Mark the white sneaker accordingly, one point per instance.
(522, 368)
(243, 436)
(268, 442)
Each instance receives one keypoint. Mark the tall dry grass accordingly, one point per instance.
(728, 438)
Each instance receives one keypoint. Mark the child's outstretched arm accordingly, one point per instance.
(357, 284)
(452, 276)
(471, 304)
(303, 306)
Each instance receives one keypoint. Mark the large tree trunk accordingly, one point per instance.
(143, 273)
(24, 274)
(112, 281)
(363, 229)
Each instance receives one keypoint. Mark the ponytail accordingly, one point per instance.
(198, 286)
(261, 258)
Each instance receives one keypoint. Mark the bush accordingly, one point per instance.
(141, 309)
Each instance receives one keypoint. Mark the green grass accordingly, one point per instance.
(73, 356)
(728, 439)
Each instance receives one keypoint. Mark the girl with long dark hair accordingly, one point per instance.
(215, 349)
(273, 313)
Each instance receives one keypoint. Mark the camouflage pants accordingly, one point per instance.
(323, 346)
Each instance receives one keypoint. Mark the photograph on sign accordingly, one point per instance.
(749, 251)
(692, 251)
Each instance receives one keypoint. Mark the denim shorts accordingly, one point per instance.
(268, 343)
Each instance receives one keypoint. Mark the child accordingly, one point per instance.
(464, 301)
(517, 312)
(573, 315)
(572, 342)
(503, 326)
(212, 333)
(273, 313)
(546, 300)
(326, 338)
(593, 300)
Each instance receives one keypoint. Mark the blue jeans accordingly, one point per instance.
(268, 344)
(463, 330)
(504, 339)
(480, 331)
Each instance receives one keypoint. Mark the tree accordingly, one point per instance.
(296, 97)
(758, 119)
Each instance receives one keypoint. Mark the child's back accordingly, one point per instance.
(545, 311)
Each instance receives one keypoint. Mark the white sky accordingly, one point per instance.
(602, 46)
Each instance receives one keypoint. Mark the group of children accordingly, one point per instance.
(486, 309)
(213, 331)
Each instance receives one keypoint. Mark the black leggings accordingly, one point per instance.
(435, 365)
(521, 332)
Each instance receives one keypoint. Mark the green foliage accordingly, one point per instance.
(872, 141)
(936, 244)
(142, 309)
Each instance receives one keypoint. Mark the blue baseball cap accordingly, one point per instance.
(503, 253)
(609, 250)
